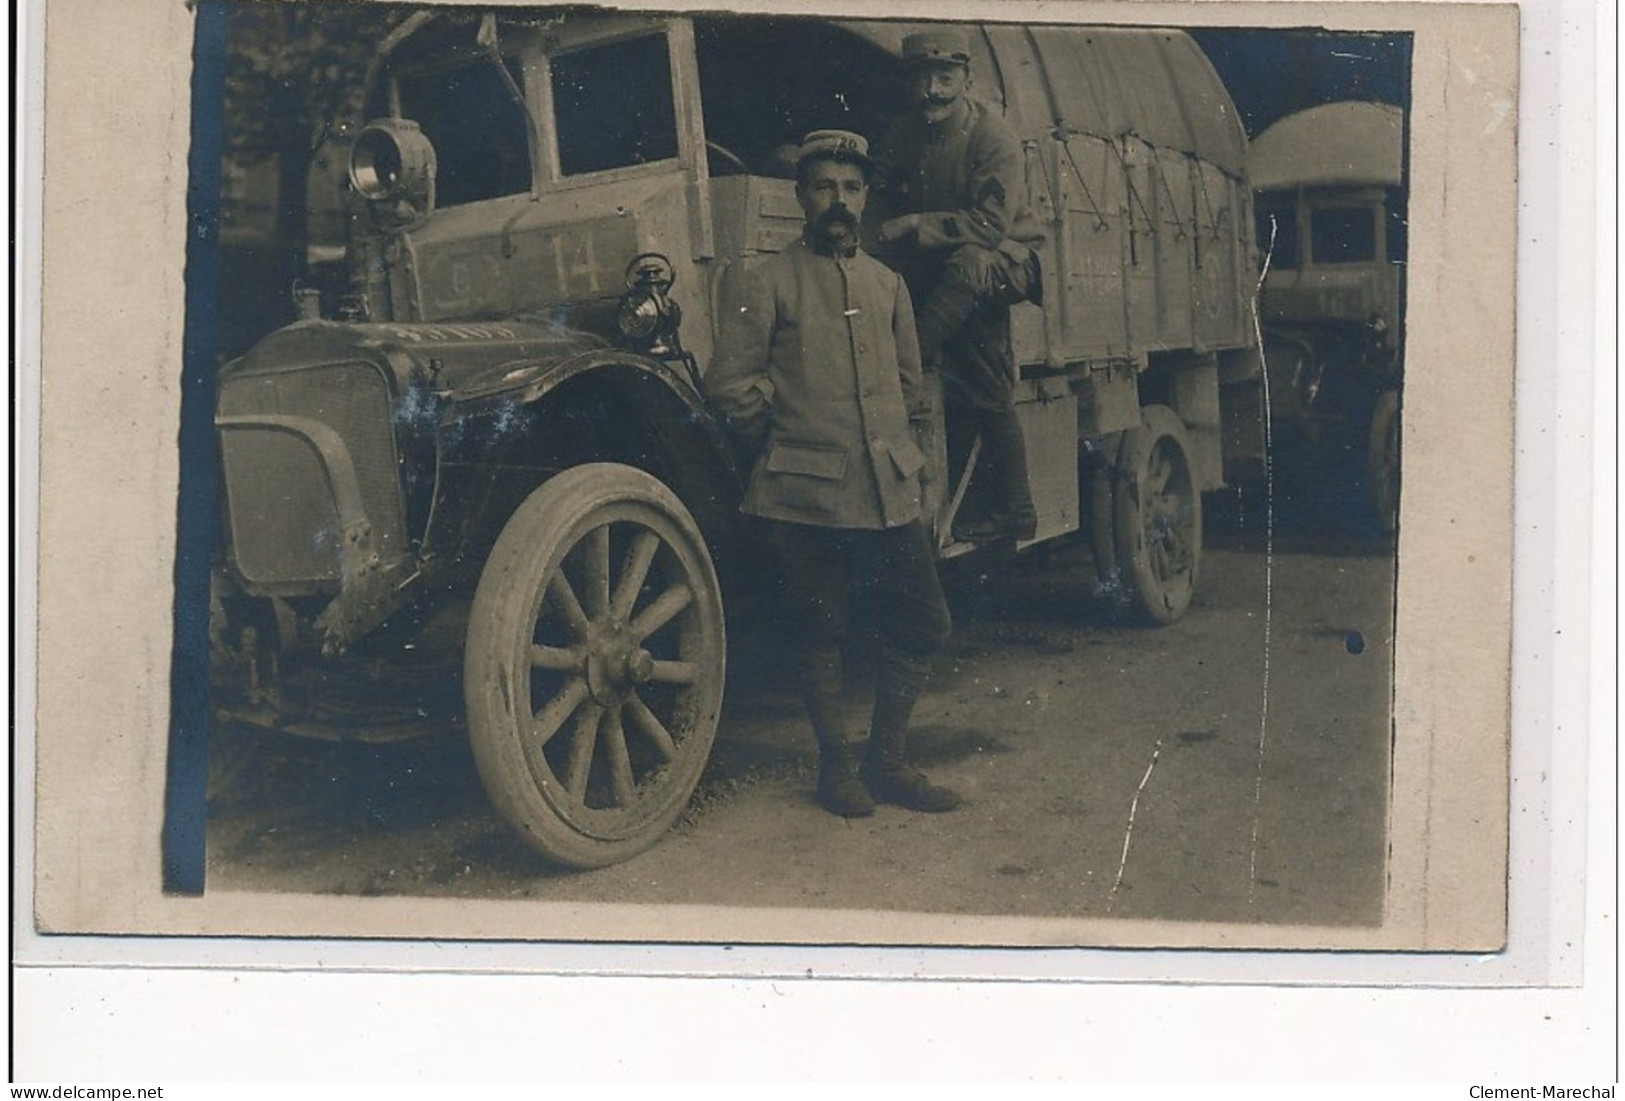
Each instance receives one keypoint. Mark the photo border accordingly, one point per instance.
(1543, 863)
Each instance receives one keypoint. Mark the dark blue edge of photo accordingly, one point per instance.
(186, 780)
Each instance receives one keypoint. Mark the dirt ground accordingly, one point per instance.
(1230, 768)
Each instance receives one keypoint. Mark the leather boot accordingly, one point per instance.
(1014, 517)
(886, 771)
(839, 789)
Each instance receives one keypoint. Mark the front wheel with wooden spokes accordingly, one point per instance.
(594, 665)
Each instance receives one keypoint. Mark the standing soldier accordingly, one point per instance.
(966, 246)
(818, 371)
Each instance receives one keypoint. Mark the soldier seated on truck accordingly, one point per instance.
(966, 247)
(817, 368)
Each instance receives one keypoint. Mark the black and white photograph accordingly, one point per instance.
(752, 477)
(782, 462)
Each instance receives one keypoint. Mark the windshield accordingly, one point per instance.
(478, 130)
(765, 83)
(1343, 234)
(613, 106)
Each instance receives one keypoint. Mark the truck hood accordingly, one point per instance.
(453, 356)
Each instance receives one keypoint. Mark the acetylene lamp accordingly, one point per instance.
(647, 316)
(393, 162)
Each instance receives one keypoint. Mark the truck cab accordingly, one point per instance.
(1331, 215)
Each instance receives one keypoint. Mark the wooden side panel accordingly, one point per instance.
(1140, 260)
(1108, 398)
(1220, 295)
(1196, 400)
(754, 214)
(1049, 423)
(1174, 248)
(1093, 250)
(1035, 332)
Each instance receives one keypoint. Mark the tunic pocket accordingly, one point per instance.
(803, 481)
(810, 459)
(907, 458)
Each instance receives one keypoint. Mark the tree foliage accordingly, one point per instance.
(292, 68)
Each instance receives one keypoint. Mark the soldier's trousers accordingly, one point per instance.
(962, 316)
(894, 570)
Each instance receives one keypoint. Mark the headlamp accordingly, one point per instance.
(640, 315)
(393, 160)
(647, 316)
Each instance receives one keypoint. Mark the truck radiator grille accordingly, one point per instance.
(284, 519)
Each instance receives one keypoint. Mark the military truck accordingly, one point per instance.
(1331, 212)
(488, 490)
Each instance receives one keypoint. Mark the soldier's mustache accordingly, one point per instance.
(836, 216)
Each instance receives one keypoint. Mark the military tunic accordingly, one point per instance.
(964, 177)
(971, 257)
(817, 361)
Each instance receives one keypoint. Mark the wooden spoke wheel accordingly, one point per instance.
(595, 664)
(1154, 511)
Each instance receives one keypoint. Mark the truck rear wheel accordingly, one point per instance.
(1382, 462)
(1156, 518)
(594, 665)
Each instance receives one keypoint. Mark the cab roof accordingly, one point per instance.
(1106, 82)
(1344, 144)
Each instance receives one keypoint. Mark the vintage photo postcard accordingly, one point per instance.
(993, 476)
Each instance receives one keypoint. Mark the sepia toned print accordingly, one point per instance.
(464, 567)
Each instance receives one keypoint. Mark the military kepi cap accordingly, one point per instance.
(841, 145)
(946, 47)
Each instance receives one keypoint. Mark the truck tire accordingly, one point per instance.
(594, 666)
(1099, 477)
(1382, 462)
(1156, 517)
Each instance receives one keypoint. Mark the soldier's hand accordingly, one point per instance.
(749, 439)
(895, 229)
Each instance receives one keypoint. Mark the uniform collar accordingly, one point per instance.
(819, 248)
